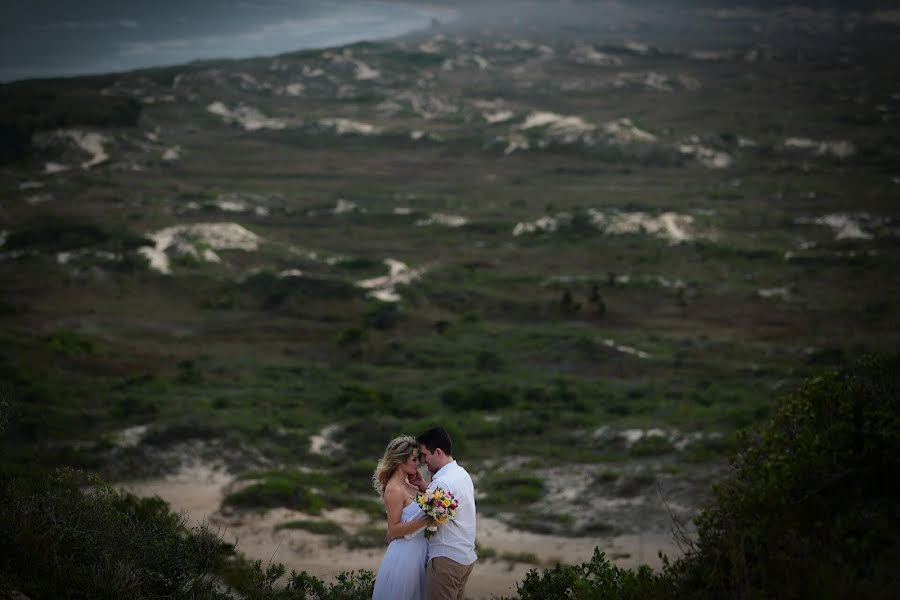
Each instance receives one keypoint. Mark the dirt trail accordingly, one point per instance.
(198, 490)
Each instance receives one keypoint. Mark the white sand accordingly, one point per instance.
(324, 441)
(672, 226)
(182, 238)
(172, 154)
(713, 159)
(247, 117)
(780, 293)
(835, 148)
(131, 436)
(36, 199)
(544, 225)
(345, 206)
(626, 349)
(565, 128)
(64, 258)
(52, 168)
(624, 131)
(846, 227)
(197, 491)
(516, 141)
(442, 219)
(294, 89)
(385, 288)
(92, 143)
(343, 126)
(364, 72)
(586, 54)
(498, 117)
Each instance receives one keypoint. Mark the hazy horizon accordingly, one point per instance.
(51, 38)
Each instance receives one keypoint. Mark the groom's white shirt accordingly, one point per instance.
(455, 539)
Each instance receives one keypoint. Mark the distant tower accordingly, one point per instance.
(435, 23)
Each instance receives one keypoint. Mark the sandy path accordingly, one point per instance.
(198, 490)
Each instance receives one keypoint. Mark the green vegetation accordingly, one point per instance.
(30, 106)
(618, 352)
(317, 527)
(810, 510)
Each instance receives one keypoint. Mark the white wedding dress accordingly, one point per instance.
(401, 575)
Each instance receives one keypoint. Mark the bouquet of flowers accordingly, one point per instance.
(440, 505)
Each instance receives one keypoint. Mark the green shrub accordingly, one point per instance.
(513, 489)
(812, 508)
(34, 105)
(52, 234)
(476, 397)
(317, 527)
(598, 579)
(71, 343)
(58, 541)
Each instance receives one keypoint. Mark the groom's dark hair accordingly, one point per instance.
(434, 438)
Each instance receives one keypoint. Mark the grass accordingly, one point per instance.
(317, 527)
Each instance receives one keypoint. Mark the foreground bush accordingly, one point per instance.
(64, 536)
(57, 541)
(598, 579)
(812, 507)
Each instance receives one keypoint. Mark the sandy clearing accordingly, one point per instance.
(835, 148)
(343, 126)
(197, 490)
(566, 128)
(324, 440)
(846, 227)
(92, 143)
(385, 288)
(708, 157)
(247, 117)
(780, 293)
(442, 219)
(543, 224)
(672, 226)
(345, 206)
(217, 236)
(624, 131)
(36, 199)
(498, 117)
(586, 54)
(51, 168)
(172, 154)
(626, 349)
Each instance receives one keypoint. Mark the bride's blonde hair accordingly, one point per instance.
(397, 452)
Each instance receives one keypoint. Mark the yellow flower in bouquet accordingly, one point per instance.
(438, 504)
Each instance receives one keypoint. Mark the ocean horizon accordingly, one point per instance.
(52, 38)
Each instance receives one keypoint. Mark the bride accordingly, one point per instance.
(401, 575)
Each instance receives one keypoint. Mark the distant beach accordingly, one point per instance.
(52, 38)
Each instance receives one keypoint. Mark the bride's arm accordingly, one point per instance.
(393, 502)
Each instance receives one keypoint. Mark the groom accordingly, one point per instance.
(451, 551)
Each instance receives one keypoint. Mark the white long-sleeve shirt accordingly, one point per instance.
(455, 539)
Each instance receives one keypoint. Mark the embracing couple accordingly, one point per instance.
(416, 566)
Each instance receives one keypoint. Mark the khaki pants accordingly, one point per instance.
(445, 579)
